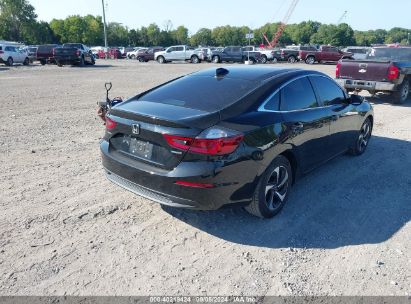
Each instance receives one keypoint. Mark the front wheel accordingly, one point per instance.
(82, 61)
(26, 61)
(216, 59)
(401, 95)
(310, 60)
(140, 59)
(363, 138)
(161, 59)
(272, 190)
(275, 60)
(264, 59)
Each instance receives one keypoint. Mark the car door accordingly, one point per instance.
(179, 53)
(344, 116)
(170, 53)
(307, 122)
(236, 54)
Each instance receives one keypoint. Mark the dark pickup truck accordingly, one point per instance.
(324, 54)
(146, 55)
(45, 53)
(385, 69)
(73, 53)
(234, 54)
(291, 54)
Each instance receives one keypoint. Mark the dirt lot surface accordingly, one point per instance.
(65, 229)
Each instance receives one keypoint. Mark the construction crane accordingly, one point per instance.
(342, 17)
(282, 25)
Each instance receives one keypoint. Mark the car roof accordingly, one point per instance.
(252, 73)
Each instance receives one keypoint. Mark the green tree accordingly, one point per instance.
(117, 34)
(153, 35)
(180, 35)
(397, 35)
(17, 19)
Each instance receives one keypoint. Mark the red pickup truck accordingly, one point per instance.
(385, 69)
(324, 54)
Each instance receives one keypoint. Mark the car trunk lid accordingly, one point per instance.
(140, 129)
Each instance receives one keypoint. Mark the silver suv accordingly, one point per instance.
(10, 54)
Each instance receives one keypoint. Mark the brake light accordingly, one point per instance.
(337, 70)
(393, 72)
(194, 185)
(110, 124)
(78, 52)
(213, 141)
(282, 52)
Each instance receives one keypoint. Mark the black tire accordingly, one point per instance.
(161, 59)
(93, 61)
(26, 61)
(140, 59)
(195, 59)
(216, 59)
(363, 138)
(401, 95)
(273, 189)
(43, 62)
(291, 59)
(81, 61)
(310, 60)
(59, 64)
(275, 60)
(264, 59)
(9, 61)
(133, 57)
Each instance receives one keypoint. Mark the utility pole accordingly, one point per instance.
(104, 25)
(408, 40)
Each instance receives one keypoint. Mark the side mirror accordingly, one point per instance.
(355, 99)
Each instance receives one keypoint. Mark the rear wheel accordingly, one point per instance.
(195, 59)
(291, 59)
(216, 59)
(275, 60)
(82, 61)
(161, 59)
(401, 95)
(363, 138)
(59, 64)
(43, 62)
(264, 59)
(310, 60)
(272, 190)
(133, 57)
(140, 59)
(10, 61)
(26, 61)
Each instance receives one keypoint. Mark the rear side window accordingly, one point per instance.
(298, 95)
(202, 93)
(273, 104)
(329, 92)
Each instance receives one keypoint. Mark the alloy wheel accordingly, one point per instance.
(364, 137)
(276, 188)
(405, 91)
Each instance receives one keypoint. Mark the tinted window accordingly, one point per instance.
(390, 54)
(179, 48)
(10, 49)
(298, 95)
(210, 94)
(172, 49)
(236, 49)
(328, 91)
(273, 103)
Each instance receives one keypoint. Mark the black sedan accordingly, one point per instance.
(235, 135)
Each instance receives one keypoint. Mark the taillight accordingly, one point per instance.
(393, 72)
(282, 52)
(214, 141)
(337, 70)
(194, 185)
(110, 124)
(78, 52)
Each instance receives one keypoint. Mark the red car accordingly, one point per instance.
(324, 54)
(111, 53)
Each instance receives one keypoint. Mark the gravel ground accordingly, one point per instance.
(64, 229)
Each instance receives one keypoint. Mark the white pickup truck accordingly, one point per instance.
(266, 55)
(178, 53)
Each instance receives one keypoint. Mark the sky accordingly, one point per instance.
(194, 14)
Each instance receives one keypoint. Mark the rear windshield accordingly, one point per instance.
(388, 54)
(203, 93)
(47, 47)
(72, 45)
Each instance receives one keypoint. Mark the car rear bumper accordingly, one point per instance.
(366, 85)
(159, 185)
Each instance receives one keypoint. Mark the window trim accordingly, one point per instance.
(317, 93)
(262, 109)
